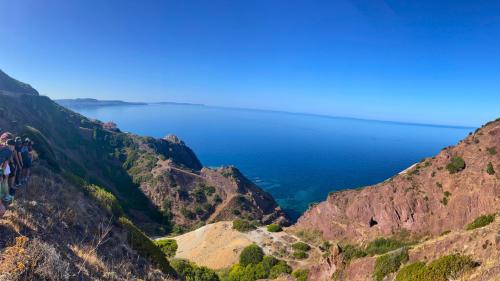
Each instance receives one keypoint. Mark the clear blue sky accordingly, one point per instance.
(416, 61)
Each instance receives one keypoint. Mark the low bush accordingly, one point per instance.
(168, 246)
(191, 272)
(389, 263)
(350, 252)
(274, 228)
(445, 268)
(481, 221)
(243, 225)
(300, 255)
(491, 150)
(301, 274)
(301, 246)
(269, 267)
(105, 199)
(145, 246)
(383, 245)
(456, 165)
(489, 169)
(252, 254)
(280, 268)
(412, 272)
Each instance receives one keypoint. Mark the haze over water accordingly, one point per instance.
(298, 158)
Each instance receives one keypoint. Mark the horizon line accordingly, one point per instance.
(407, 123)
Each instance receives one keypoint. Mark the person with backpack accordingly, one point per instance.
(7, 147)
(19, 162)
(27, 159)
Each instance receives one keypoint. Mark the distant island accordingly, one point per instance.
(89, 102)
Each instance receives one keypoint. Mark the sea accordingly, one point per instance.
(298, 158)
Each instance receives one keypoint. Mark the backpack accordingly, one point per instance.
(5, 154)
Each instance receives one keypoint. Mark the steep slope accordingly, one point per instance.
(425, 207)
(425, 199)
(56, 230)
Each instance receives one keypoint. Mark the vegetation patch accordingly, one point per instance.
(481, 221)
(168, 246)
(300, 274)
(105, 199)
(145, 246)
(389, 263)
(383, 245)
(301, 246)
(491, 150)
(312, 236)
(350, 252)
(456, 165)
(300, 255)
(191, 272)
(252, 254)
(446, 268)
(242, 225)
(268, 267)
(489, 169)
(274, 228)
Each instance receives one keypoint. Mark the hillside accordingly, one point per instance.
(438, 195)
(90, 177)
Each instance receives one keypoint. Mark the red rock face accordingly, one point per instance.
(426, 199)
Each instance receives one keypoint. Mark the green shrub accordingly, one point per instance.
(145, 247)
(301, 246)
(168, 246)
(301, 274)
(274, 228)
(300, 255)
(105, 199)
(252, 254)
(188, 214)
(383, 245)
(481, 221)
(269, 267)
(456, 165)
(492, 150)
(243, 225)
(280, 268)
(443, 269)
(389, 263)
(489, 169)
(191, 272)
(350, 252)
(413, 272)
(449, 267)
(444, 201)
(209, 190)
(447, 193)
(268, 262)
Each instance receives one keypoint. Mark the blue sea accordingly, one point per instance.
(298, 158)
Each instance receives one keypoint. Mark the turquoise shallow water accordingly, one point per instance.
(297, 158)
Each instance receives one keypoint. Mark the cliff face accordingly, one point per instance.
(429, 204)
(425, 199)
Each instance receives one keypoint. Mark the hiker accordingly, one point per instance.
(7, 146)
(27, 159)
(15, 166)
(19, 162)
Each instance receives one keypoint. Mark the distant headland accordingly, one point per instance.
(89, 102)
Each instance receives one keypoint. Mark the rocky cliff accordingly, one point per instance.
(420, 207)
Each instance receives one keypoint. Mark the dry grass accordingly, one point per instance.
(70, 237)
